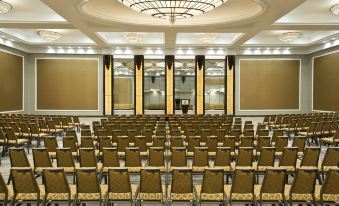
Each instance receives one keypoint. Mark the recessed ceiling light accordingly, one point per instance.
(5, 7)
(335, 9)
(49, 35)
(289, 36)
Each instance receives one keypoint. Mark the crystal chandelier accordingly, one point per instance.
(49, 35)
(173, 9)
(335, 9)
(5, 7)
(134, 37)
(206, 37)
(289, 36)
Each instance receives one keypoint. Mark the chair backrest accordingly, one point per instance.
(281, 143)
(220, 133)
(299, 142)
(178, 158)
(132, 157)
(87, 142)
(248, 132)
(24, 175)
(311, 157)
(246, 141)
(289, 157)
(110, 157)
(277, 133)
(34, 128)
(245, 156)
(55, 181)
(51, 144)
(156, 157)
(213, 181)
(18, 157)
(243, 181)
(263, 132)
(182, 180)
(122, 143)
(150, 180)
(304, 182)
(177, 141)
(212, 143)
(223, 157)
(10, 134)
(70, 142)
(87, 157)
(3, 187)
(24, 127)
(159, 141)
(64, 157)
(119, 181)
(41, 157)
(104, 142)
(87, 181)
(330, 185)
(267, 156)
(274, 181)
(229, 141)
(193, 141)
(263, 141)
(72, 133)
(86, 133)
(140, 141)
(200, 157)
(331, 157)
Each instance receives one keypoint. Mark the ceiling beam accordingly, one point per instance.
(73, 16)
(37, 25)
(304, 27)
(278, 8)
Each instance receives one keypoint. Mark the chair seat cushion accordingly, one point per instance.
(93, 196)
(218, 197)
(267, 196)
(62, 196)
(123, 196)
(237, 196)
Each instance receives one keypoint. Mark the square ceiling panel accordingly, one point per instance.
(206, 38)
(133, 38)
(311, 12)
(30, 11)
(31, 36)
(306, 37)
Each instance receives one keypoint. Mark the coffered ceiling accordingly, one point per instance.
(107, 26)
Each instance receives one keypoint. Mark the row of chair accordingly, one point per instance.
(151, 189)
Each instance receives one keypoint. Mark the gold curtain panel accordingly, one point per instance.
(11, 80)
(67, 84)
(269, 84)
(326, 83)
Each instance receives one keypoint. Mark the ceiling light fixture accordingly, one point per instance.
(5, 7)
(49, 35)
(134, 37)
(335, 9)
(172, 10)
(289, 36)
(207, 37)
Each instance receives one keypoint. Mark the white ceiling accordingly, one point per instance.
(103, 24)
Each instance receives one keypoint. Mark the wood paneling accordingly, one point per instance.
(326, 82)
(67, 84)
(269, 84)
(11, 82)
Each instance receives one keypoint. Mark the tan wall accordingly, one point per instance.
(67, 84)
(269, 84)
(11, 82)
(326, 82)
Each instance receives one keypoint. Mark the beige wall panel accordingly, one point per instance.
(326, 83)
(269, 84)
(11, 82)
(67, 84)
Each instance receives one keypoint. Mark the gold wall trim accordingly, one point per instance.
(67, 84)
(269, 84)
(325, 82)
(200, 90)
(139, 90)
(12, 82)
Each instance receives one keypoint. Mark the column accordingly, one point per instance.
(199, 84)
(108, 84)
(139, 84)
(169, 70)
